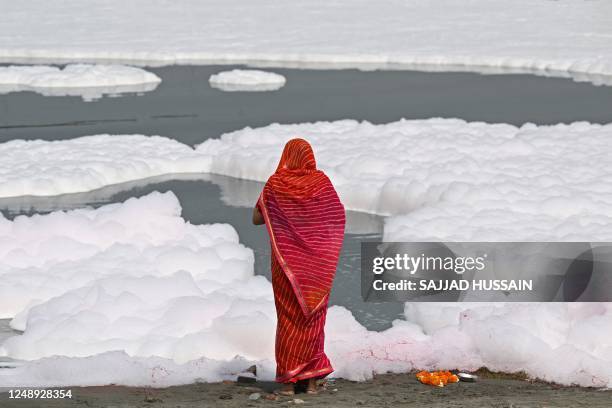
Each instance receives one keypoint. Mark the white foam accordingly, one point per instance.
(563, 343)
(563, 38)
(133, 277)
(117, 367)
(449, 179)
(250, 80)
(87, 81)
(46, 255)
(42, 168)
(131, 285)
(443, 178)
(131, 294)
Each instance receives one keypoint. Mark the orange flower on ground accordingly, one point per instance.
(436, 378)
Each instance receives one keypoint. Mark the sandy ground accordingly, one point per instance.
(389, 390)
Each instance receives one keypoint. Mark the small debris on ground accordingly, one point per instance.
(437, 378)
(252, 389)
(150, 396)
(151, 399)
(246, 378)
(255, 396)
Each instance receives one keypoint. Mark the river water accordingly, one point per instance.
(186, 108)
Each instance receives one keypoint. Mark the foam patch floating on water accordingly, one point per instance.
(43, 256)
(511, 183)
(448, 178)
(87, 81)
(247, 81)
(132, 277)
(43, 168)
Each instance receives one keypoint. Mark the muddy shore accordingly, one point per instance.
(389, 390)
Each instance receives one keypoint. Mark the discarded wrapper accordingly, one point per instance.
(467, 377)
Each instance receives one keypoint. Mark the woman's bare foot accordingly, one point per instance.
(312, 386)
(287, 390)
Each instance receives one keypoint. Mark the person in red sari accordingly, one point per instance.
(305, 221)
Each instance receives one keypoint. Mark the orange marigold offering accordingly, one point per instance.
(437, 378)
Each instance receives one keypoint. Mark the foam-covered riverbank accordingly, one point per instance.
(132, 294)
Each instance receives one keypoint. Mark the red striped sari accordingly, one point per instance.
(305, 221)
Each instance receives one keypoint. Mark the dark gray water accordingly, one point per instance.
(186, 108)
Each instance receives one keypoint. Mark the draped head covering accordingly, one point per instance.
(305, 220)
